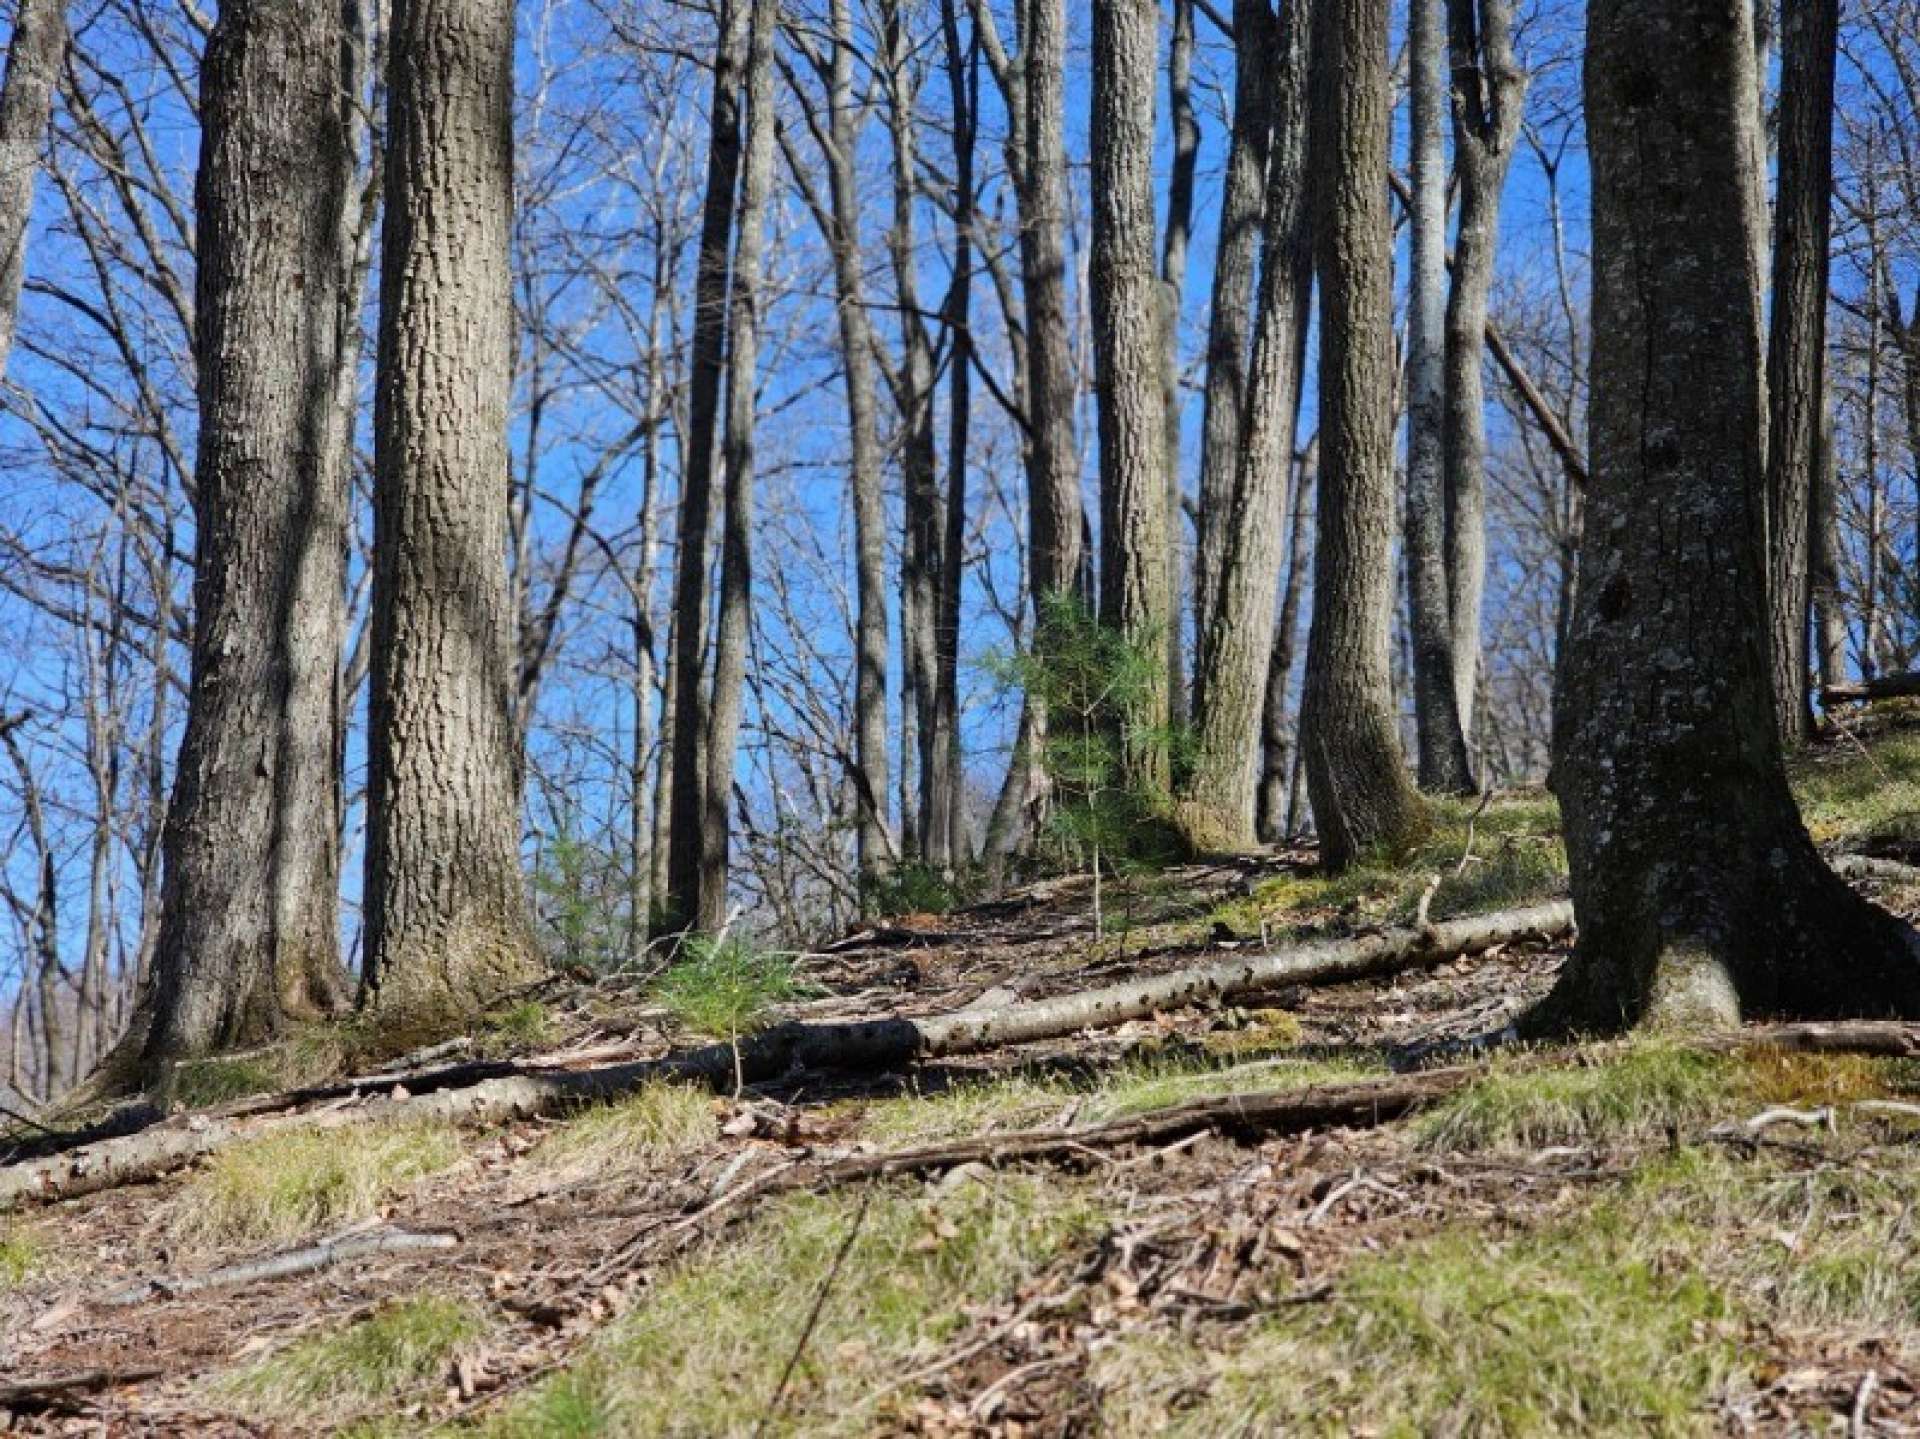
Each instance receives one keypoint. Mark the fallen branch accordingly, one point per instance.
(281, 1266)
(1886, 687)
(1866, 866)
(56, 1389)
(854, 1046)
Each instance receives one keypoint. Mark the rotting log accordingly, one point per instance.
(863, 1045)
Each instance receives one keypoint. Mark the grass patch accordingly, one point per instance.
(206, 1082)
(394, 1354)
(1152, 1082)
(660, 1122)
(1576, 1328)
(525, 1026)
(1849, 795)
(285, 1186)
(20, 1255)
(1642, 1092)
(704, 1353)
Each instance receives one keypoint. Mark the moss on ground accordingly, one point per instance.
(21, 1255)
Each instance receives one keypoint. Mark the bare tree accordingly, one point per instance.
(1349, 736)
(446, 927)
(26, 103)
(1667, 759)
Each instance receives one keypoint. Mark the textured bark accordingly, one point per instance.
(1219, 799)
(1278, 749)
(1823, 563)
(1356, 775)
(1126, 310)
(686, 664)
(1797, 343)
(1489, 91)
(1700, 896)
(445, 905)
(1236, 253)
(1053, 463)
(1441, 737)
(735, 615)
(248, 934)
(26, 105)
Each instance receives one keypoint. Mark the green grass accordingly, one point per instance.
(704, 1352)
(658, 1124)
(1848, 796)
(21, 1254)
(1576, 1328)
(523, 1027)
(725, 988)
(289, 1185)
(395, 1354)
(1152, 1082)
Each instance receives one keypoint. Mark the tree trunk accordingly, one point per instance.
(1489, 91)
(1236, 251)
(1700, 897)
(1125, 302)
(1173, 275)
(1442, 741)
(1278, 747)
(1219, 799)
(248, 931)
(26, 105)
(686, 665)
(1356, 775)
(1823, 562)
(446, 908)
(736, 543)
(1797, 343)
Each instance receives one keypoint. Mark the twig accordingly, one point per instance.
(813, 1314)
(1862, 1403)
(1473, 820)
(281, 1266)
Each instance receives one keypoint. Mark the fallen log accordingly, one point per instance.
(1866, 866)
(854, 1046)
(1885, 687)
(285, 1265)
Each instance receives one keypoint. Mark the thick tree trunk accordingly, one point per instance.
(1218, 801)
(1797, 343)
(1356, 775)
(1700, 896)
(1441, 739)
(1489, 91)
(26, 105)
(686, 728)
(445, 903)
(1278, 739)
(735, 615)
(248, 931)
(1173, 274)
(1236, 252)
(1126, 310)
(1823, 563)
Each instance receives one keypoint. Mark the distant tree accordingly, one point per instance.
(1700, 897)
(34, 55)
(1126, 306)
(446, 915)
(1349, 733)
(249, 931)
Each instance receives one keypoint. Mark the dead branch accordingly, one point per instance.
(285, 1265)
(59, 1388)
(1886, 687)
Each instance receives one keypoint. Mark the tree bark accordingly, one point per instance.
(735, 615)
(1356, 775)
(1236, 255)
(26, 106)
(249, 937)
(1278, 739)
(1700, 896)
(1440, 734)
(446, 908)
(1797, 343)
(686, 665)
(1125, 302)
(1489, 91)
(1173, 274)
(1219, 798)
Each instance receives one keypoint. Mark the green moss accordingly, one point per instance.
(21, 1253)
(396, 1353)
(516, 1030)
(292, 1184)
(703, 1354)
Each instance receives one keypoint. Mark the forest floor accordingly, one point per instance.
(1621, 1238)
